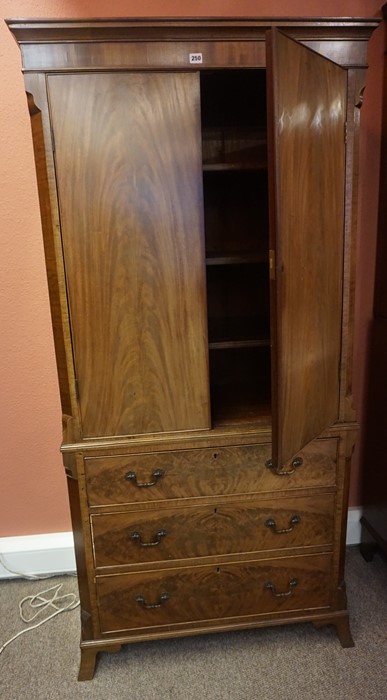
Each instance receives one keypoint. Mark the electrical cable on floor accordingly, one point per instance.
(38, 603)
(41, 603)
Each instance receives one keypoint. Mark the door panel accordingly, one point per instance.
(128, 159)
(307, 112)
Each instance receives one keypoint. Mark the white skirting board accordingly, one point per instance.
(353, 525)
(37, 554)
(54, 553)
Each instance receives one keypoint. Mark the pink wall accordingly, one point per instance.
(33, 496)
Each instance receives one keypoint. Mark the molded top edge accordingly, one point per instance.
(119, 21)
(122, 29)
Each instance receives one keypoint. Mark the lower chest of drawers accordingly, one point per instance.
(204, 594)
(209, 537)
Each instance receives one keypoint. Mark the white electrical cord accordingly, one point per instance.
(39, 603)
(60, 603)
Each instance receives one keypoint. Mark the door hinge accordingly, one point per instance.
(345, 132)
(52, 139)
(77, 389)
(272, 264)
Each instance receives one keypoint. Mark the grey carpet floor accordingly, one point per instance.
(295, 662)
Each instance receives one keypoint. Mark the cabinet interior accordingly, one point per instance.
(234, 145)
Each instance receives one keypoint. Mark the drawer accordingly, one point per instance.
(202, 531)
(165, 598)
(140, 478)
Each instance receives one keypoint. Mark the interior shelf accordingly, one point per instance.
(229, 148)
(235, 258)
(225, 344)
(233, 407)
(235, 165)
(236, 216)
(240, 385)
(238, 332)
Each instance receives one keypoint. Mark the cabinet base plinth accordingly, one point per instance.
(89, 651)
(342, 628)
(88, 661)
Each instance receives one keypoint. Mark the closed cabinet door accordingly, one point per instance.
(306, 125)
(128, 164)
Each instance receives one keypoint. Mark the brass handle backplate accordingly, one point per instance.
(271, 523)
(156, 475)
(136, 537)
(269, 586)
(297, 462)
(152, 606)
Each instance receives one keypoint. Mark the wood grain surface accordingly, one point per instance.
(184, 533)
(211, 592)
(204, 472)
(307, 107)
(128, 162)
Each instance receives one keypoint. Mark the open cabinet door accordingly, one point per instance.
(307, 115)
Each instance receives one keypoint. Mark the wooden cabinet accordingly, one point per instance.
(197, 182)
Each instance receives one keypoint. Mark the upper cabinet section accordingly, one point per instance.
(51, 45)
(195, 189)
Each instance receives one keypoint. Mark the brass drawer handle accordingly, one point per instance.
(269, 586)
(297, 462)
(156, 474)
(294, 520)
(152, 606)
(136, 537)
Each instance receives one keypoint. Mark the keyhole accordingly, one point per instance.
(215, 455)
(215, 510)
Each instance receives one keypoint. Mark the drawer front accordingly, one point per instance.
(140, 478)
(158, 598)
(182, 533)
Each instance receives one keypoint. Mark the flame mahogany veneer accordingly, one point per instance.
(198, 192)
